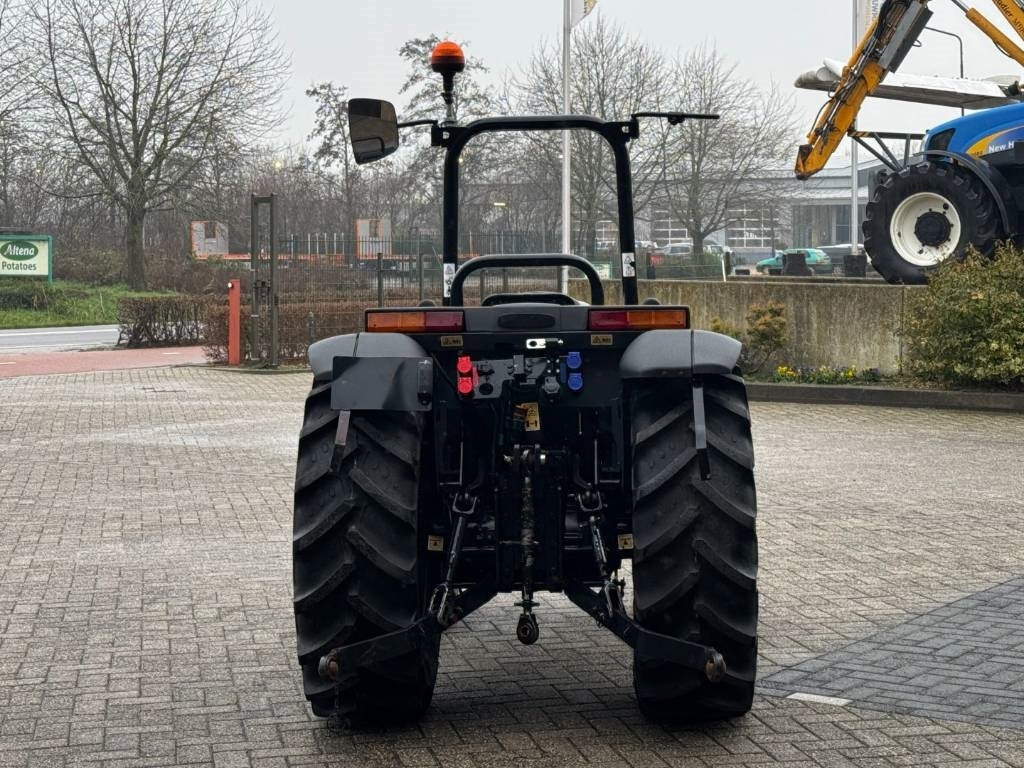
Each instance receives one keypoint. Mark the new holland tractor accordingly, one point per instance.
(531, 442)
(967, 187)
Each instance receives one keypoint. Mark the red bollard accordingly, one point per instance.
(234, 322)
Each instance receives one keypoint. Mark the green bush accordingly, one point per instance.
(764, 335)
(162, 321)
(967, 327)
(36, 294)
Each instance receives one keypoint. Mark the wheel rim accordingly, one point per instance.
(925, 229)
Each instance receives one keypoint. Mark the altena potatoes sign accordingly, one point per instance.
(26, 255)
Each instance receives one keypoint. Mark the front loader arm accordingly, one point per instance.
(1013, 12)
(881, 50)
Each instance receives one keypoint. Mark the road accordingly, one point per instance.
(56, 339)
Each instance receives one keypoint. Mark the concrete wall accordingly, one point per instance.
(828, 323)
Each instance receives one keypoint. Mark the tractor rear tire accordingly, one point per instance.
(356, 566)
(925, 215)
(695, 555)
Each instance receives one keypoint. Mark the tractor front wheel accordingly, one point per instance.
(925, 215)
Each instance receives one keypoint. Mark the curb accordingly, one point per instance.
(889, 397)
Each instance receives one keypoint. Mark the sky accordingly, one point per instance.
(356, 43)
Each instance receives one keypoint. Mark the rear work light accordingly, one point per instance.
(638, 319)
(414, 321)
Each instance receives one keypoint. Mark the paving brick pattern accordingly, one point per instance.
(964, 661)
(145, 612)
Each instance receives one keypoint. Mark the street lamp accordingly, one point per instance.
(960, 42)
(501, 205)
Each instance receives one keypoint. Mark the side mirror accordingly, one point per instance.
(373, 127)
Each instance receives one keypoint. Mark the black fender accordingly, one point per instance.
(990, 178)
(679, 354)
(374, 372)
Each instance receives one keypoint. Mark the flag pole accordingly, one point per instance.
(854, 257)
(566, 145)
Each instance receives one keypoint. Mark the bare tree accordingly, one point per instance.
(14, 77)
(713, 169)
(331, 129)
(614, 75)
(14, 72)
(144, 91)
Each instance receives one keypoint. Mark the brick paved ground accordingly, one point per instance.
(145, 588)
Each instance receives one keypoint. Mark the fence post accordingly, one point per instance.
(380, 279)
(234, 321)
(420, 259)
(274, 336)
(254, 265)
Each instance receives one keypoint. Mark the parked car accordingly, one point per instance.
(838, 254)
(710, 246)
(673, 253)
(819, 261)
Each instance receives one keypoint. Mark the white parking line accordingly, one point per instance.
(67, 332)
(816, 699)
(71, 345)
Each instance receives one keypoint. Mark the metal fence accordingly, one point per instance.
(323, 283)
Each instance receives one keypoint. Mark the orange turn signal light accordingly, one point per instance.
(414, 321)
(638, 319)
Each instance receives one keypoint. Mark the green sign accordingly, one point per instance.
(26, 256)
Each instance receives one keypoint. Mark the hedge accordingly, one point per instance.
(163, 321)
(299, 324)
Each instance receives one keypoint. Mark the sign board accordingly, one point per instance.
(209, 238)
(26, 256)
(373, 236)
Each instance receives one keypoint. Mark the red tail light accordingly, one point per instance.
(414, 321)
(638, 319)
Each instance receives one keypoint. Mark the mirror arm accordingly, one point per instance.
(674, 118)
(414, 123)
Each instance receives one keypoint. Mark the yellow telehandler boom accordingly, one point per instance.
(881, 51)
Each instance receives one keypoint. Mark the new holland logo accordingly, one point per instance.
(18, 250)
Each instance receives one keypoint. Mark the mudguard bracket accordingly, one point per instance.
(700, 429)
(382, 384)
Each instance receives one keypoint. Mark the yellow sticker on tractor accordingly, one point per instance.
(531, 416)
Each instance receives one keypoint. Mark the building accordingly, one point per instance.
(809, 213)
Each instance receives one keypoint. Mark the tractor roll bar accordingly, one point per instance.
(497, 260)
(618, 135)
